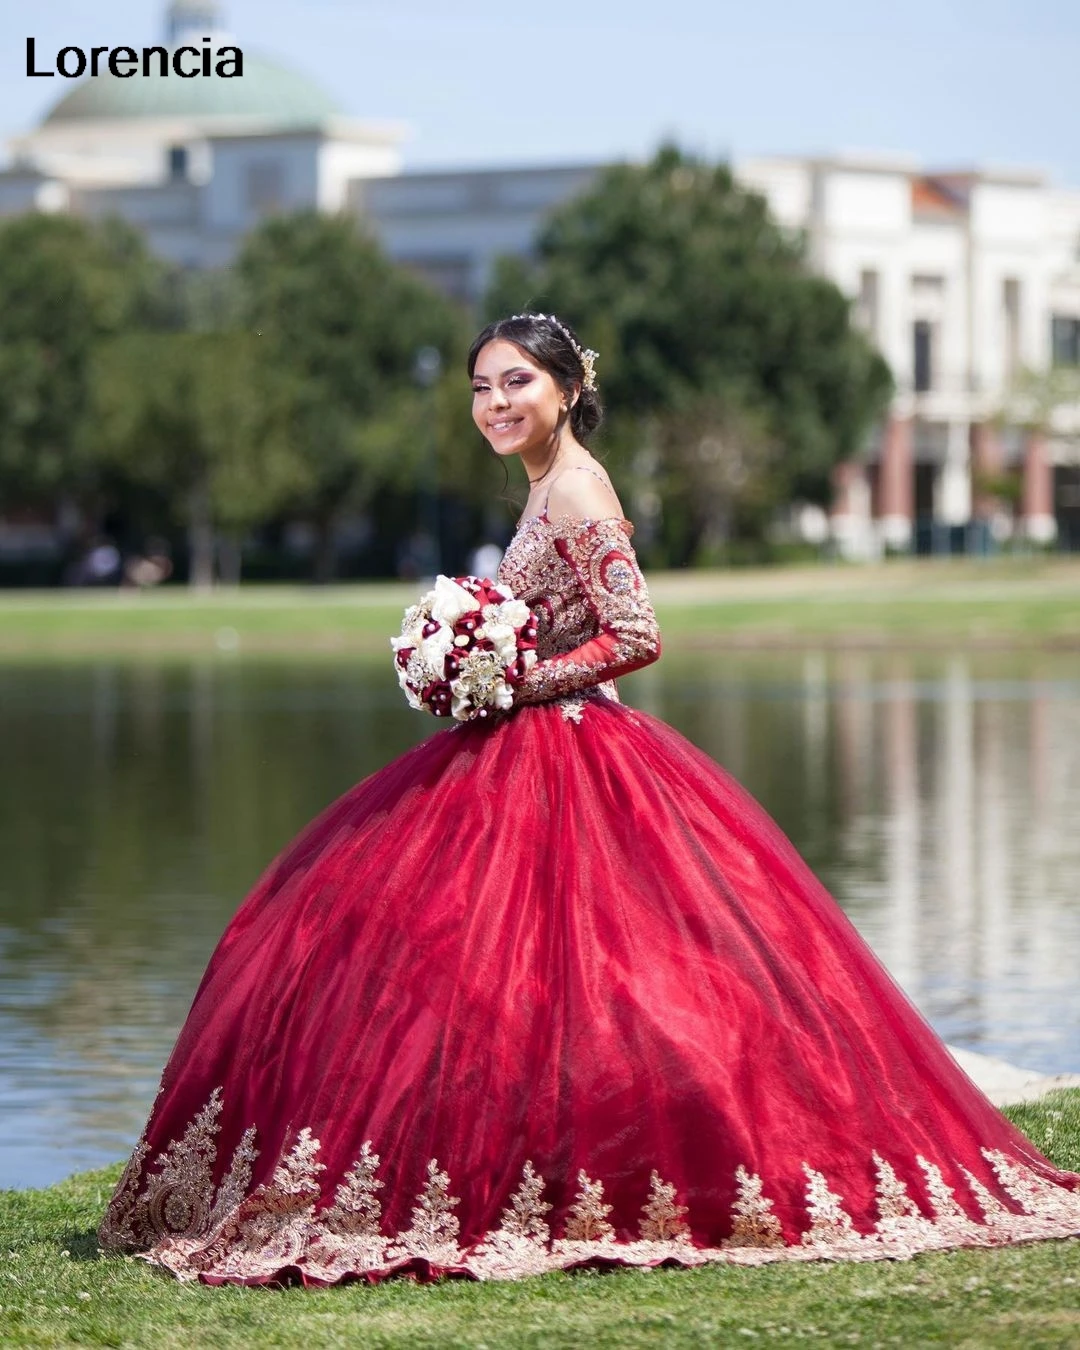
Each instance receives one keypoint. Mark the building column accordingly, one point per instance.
(850, 514)
(1037, 497)
(896, 484)
(952, 497)
(987, 462)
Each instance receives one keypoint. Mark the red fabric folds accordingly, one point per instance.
(568, 940)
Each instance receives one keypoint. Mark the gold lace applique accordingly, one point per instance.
(1032, 1192)
(830, 1224)
(520, 1243)
(991, 1206)
(663, 1221)
(179, 1199)
(349, 1230)
(434, 1231)
(899, 1218)
(170, 1210)
(180, 1195)
(524, 1217)
(119, 1229)
(587, 1220)
(582, 579)
(941, 1194)
(755, 1224)
(269, 1231)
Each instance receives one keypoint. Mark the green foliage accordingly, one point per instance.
(198, 416)
(64, 286)
(344, 327)
(217, 400)
(1037, 399)
(711, 327)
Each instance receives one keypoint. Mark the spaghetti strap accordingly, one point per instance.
(571, 469)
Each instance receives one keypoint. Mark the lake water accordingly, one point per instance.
(936, 795)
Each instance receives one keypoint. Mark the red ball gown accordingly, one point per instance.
(554, 991)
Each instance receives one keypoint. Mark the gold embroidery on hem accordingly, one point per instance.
(433, 1235)
(587, 1221)
(755, 1225)
(663, 1221)
(252, 1235)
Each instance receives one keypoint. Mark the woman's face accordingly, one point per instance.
(516, 403)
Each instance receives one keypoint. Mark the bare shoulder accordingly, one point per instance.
(584, 492)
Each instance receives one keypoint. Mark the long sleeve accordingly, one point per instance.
(601, 558)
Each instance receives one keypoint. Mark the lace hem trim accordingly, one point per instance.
(178, 1219)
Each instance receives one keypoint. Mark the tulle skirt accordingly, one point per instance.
(556, 991)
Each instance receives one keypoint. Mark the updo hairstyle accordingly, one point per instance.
(551, 348)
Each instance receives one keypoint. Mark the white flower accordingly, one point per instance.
(503, 639)
(412, 627)
(407, 639)
(511, 611)
(480, 683)
(500, 627)
(450, 601)
(433, 650)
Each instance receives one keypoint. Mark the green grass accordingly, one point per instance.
(57, 1289)
(1033, 602)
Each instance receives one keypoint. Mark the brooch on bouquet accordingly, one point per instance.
(463, 647)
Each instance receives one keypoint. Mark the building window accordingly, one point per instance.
(265, 185)
(923, 335)
(1010, 298)
(866, 307)
(1065, 340)
(453, 274)
(178, 163)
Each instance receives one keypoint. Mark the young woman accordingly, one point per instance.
(552, 990)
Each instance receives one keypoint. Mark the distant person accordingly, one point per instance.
(551, 989)
(99, 565)
(417, 556)
(485, 560)
(149, 569)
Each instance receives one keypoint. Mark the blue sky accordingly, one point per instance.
(957, 83)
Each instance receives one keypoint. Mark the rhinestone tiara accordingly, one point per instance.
(585, 355)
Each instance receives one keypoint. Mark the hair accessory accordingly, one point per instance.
(585, 355)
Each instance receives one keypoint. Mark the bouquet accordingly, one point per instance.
(463, 647)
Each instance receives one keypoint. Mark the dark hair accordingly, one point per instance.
(543, 339)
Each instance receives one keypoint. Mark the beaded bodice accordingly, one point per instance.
(582, 580)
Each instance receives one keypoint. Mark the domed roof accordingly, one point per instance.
(266, 90)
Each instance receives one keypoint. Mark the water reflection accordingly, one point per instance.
(138, 803)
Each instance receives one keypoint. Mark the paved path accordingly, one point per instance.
(1004, 1083)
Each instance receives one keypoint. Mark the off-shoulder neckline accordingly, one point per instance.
(577, 520)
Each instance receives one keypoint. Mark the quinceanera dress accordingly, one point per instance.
(552, 990)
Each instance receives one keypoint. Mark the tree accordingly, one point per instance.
(65, 286)
(1046, 402)
(706, 315)
(344, 326)
(203, 418)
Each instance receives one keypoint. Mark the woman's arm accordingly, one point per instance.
(599, 553)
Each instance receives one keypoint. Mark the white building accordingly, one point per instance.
(195, 163)
(962, 279)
